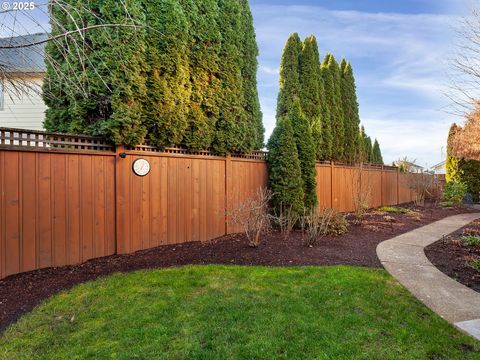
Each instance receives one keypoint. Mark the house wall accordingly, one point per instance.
(25, 110)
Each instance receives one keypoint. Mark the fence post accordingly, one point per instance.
(382, 202)
(398, 185)
(332, 168)
(228, 191)
(118, 150)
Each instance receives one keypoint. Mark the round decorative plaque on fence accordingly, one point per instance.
(141, 167)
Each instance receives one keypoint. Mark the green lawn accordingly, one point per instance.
(219, 312)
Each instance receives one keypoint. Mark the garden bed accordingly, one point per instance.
(454, 257)
(20, 293)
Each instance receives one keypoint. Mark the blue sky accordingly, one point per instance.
(399, 51)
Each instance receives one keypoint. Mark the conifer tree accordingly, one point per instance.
(249, 53)
(285, 175)
(325, 151)
(332, 82)
(109, 101)
(310, 90)
(306, 153)
(289, 75)
(453, 172)
(168, 83)
(205, 44)
(350, 110)
(377, 154)
(369, 149)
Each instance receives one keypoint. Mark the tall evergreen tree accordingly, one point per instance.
(289, 75)
(232, 133)
(377, 154)
(285, 175)
(249, 54)
(452, 163)
(369, 149)
(350, 110)
(310, 90)
(306, 153)
(108, 98)
(333, 101)
(168, 83)
(205, 44)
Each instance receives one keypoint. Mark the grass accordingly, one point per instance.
(394, 210)
(471, 240)
(222, 312)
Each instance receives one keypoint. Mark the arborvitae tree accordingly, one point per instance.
(377, 154)
(168, 84)
(310, 90)
(452, 163)
(350, 111)
(333, 100)
(232, 133)
(325, 151)
(285, 175)
(289, 75)
(363, 151)
(306, 153)
(249, 54)
(205, 44)
(369, 149)
(109, 100)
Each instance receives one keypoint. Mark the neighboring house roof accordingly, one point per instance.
(439, 166)
(25, 59)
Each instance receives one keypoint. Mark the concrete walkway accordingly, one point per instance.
(404, 258)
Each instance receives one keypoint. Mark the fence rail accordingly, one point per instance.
(65, 199)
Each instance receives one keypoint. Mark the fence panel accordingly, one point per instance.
(56, 209)
(389, 187)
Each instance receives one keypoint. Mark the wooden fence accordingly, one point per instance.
(67, 199)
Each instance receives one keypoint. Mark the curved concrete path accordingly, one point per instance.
(404, 258)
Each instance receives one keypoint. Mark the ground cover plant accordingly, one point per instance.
(394, 209)
(206, 312)
(458, 255)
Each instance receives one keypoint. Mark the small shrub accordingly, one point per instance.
(447, 204)
(471, 232)
(285, 219)
(475, 264)
(253, 216)
(320, 223)
(471, 240)
(394, 210)
(454, 192)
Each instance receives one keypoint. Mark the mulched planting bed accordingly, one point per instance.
(20, 293)
(453, 257)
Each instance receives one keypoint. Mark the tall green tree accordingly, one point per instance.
(306, 153)
(350, 111)
(289, 75)
(452, 163)
(369, 149)
(205, 41)
(168, 84)
(310, 90)
(377, 157)
(285, 175)
(333, 101)
(107, 95)
(249, 55)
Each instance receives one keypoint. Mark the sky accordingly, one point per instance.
(399, 51)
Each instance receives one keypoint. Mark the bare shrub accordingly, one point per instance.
(253, 216)
(422, 184)
(285, 219)
(320, 223)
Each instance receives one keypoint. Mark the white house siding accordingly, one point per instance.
(25, 111)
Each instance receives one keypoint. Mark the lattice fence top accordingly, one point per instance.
(32, 139)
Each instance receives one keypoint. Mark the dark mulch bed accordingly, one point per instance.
(20, 293)
(452, 256)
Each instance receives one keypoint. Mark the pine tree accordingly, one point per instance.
(168, 83)
(249, 54)
(333, 100)
(306, 153)
(205, 44)
(109, 100)
(289, 75)
(285, 176)
(377, 154)
(310, 90)
(351, 112)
